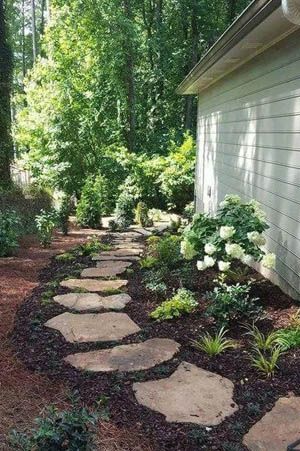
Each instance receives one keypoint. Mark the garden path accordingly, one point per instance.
(190, 394)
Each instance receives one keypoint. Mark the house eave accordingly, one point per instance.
(262, 18)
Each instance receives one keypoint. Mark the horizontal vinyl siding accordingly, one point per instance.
(249, 143)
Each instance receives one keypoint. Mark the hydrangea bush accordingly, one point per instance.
(235, 233)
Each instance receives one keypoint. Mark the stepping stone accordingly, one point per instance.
(94, 285)
(143, 231)
(92, 301)
(91, 327)
(128, 258)
(107, 271)
(113, 263)
(189, 395)
(122, 253)
(133, 357)
(121, 235)
(136, 246)
(277, 429)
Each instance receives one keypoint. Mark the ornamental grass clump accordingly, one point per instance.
(213, 345)
(182, 302)
(235, 233)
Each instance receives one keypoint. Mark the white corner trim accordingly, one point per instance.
(291, 10)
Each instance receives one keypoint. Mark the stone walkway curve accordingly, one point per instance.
(189, 395)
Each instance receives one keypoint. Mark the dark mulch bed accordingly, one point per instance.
(43, 350)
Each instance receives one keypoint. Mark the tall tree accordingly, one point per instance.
(6, 145)
(33, 29)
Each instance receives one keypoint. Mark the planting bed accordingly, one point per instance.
(43, 350)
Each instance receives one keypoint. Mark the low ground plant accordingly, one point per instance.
(92, 246)
(46, 222)
(288, 338)
(266, 363)
(148, 262)
(232, 302)
(259, 340)
(66, 257)
(182, 302)
(59, 431)
(213, 345)
(10, 226)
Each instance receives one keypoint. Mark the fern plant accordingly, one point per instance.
(213, 345)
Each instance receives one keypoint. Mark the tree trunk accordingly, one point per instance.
(6, 145)
(33, 26)
(190, 113)
(129, 68)
(43, 8)
(23, 40)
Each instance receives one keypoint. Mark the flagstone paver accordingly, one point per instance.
(277, 428)
(92, 301)
(122, 253)
(127, 246)
(189, 395)
(91, 327)
(94, 285)
(142, 231)
(107, 271)
(133, 357)
(126, 258)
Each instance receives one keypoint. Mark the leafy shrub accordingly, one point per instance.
(235, 233)
(231, 302)
(166, 250)
(141, 215)
(155, 214)
(189, 211)
(92, 246)
(89, 208)
(10, 226)
(113, 225)
(213, 345)
(45, 223)
(58, 431)
(64, 213)
(124, 210)
(182, 302)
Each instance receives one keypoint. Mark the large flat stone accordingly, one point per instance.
(142, 231)
(94, 285)
(129, 235)
(113, 269)
(122, 253)
(189, 395)
(91, 327)
(92, 301)
(125, 258)
(133, 357)
(136, 246)
(277, 428)
(113, 263)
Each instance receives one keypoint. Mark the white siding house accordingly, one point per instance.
(248, 88)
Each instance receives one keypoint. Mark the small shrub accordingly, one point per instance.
(175, 224)
(148, 262)
(167, 251)
(266, 364)
(113, 225)
(141, 215)
(92, 246)
(58, 431)
(89, 208)
(124, 210)
(46, 223)
(213, 345)
(156, 215)
(232, 302)
(182, 302)
(64, 213)
(189, 211)
(10, 224)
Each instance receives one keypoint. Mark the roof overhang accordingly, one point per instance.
(259, 27)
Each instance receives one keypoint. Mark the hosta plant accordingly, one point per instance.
(182, 302)
(234, 233)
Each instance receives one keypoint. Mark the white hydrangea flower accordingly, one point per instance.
(210, 248)
(226, 232)
(187, 250)
(233, 199)
(234, 250)
(209, 261)
(256, 238)
(201, 266)
(247, 259)
(223, 266)
(269, 261)
(258, 212)
(223, 204)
